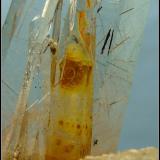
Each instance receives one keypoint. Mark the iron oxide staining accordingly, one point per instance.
(78, 126)
(61, 122)
(75, 128)
(68, 148)
(74, 73)
(58, 142)
(47, 157)
(75, 79)
(79, 130)
(84, 150)
(62, 149)
(76, 67)
(49, 120)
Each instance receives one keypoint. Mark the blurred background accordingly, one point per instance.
(141, 119)
(140, 127)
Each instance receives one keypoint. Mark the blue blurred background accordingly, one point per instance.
(141, 120)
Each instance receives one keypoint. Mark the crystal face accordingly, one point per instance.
(66, 77)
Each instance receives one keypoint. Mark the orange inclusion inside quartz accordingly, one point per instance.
(76, 79)
(87, 37)
(88, 3)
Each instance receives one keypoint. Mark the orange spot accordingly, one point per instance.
(68, 148)
(80, 132)
(74, 73)
(78, 126)
(58, 142)
(61, 122)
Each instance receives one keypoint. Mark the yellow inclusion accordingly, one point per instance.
(88, 3)
(71, 108)
(70, 138)
(87, 37)
(53, 71)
